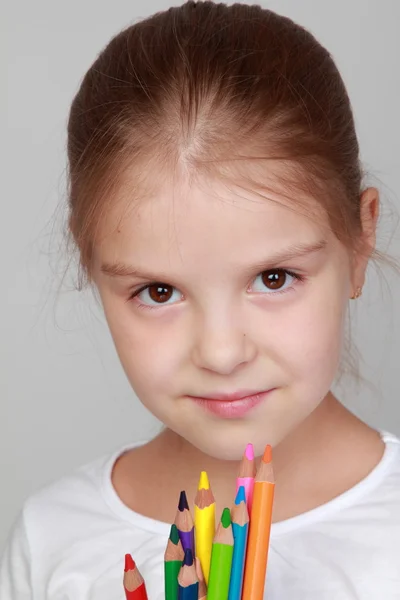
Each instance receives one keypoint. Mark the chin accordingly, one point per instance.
(228, 440)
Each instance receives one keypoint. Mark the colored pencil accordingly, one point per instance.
(259, 532)
(202, 583)
(135, 588)
(221, 560)
(188, 583)
(240, 525)
(184, 523)
(247, 473)
(204, 522)
(172, 564)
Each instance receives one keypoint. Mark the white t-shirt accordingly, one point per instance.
(70, 541)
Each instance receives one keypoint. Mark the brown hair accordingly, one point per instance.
(203, 85)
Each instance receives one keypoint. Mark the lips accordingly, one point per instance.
(231, 405)
(232, 397)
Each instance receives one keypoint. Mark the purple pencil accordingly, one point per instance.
(184, 524)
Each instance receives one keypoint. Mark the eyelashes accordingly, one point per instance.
(272, 282)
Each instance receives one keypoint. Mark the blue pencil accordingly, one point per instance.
(188, 582)
(189, 593)
(240, 526)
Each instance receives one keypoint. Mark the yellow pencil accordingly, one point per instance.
(204, 519)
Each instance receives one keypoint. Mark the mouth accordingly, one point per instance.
(231, 406)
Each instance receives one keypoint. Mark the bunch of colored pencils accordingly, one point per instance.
(224, 563)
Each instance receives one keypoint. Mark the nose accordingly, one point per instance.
(222, 346)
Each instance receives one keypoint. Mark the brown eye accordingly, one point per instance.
(157, 294)
(274, 280)
(160, 293)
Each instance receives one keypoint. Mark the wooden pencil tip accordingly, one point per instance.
(249, 452)
(129, 563)
(267, 458)
(199, 569)
(183, 503)
(204, 483)
(188, 558)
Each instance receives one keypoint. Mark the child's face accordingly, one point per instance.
(226, 318)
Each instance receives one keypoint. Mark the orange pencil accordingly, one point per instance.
(260, 528)
(135, 588)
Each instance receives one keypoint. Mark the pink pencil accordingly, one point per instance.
(247, 473)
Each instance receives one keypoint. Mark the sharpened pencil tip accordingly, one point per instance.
(129, 563)
(249, 452)
(199, 569)
(204, 483)
(267, 458)
(240, 496)
(183, 503)
(188, 558)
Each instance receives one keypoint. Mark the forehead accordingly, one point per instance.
(212, 215)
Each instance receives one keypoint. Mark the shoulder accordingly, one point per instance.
(390, 463)
(378, 496)
(48, 522)
(71, 537)
(72, 506)
(73, 492)
(389, 469)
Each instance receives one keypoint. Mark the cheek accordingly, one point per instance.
(148, 347)
(306, 338)
(316, 341)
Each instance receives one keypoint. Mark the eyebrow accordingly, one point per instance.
(291, 253)
(119, 269)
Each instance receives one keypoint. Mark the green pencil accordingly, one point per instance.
(221, 560)
(172, 564)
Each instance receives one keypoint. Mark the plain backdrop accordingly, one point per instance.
(64, 399)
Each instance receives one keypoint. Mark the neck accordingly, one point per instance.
(327, 454)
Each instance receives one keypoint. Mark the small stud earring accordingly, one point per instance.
(356, 294)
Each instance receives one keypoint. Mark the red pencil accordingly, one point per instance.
(135, 587)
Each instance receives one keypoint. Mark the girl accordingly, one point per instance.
(217, 204)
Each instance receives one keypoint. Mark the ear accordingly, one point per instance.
(369, 214)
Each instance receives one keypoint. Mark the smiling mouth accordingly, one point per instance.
(231, 406)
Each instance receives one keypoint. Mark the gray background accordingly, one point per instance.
(64, 397)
